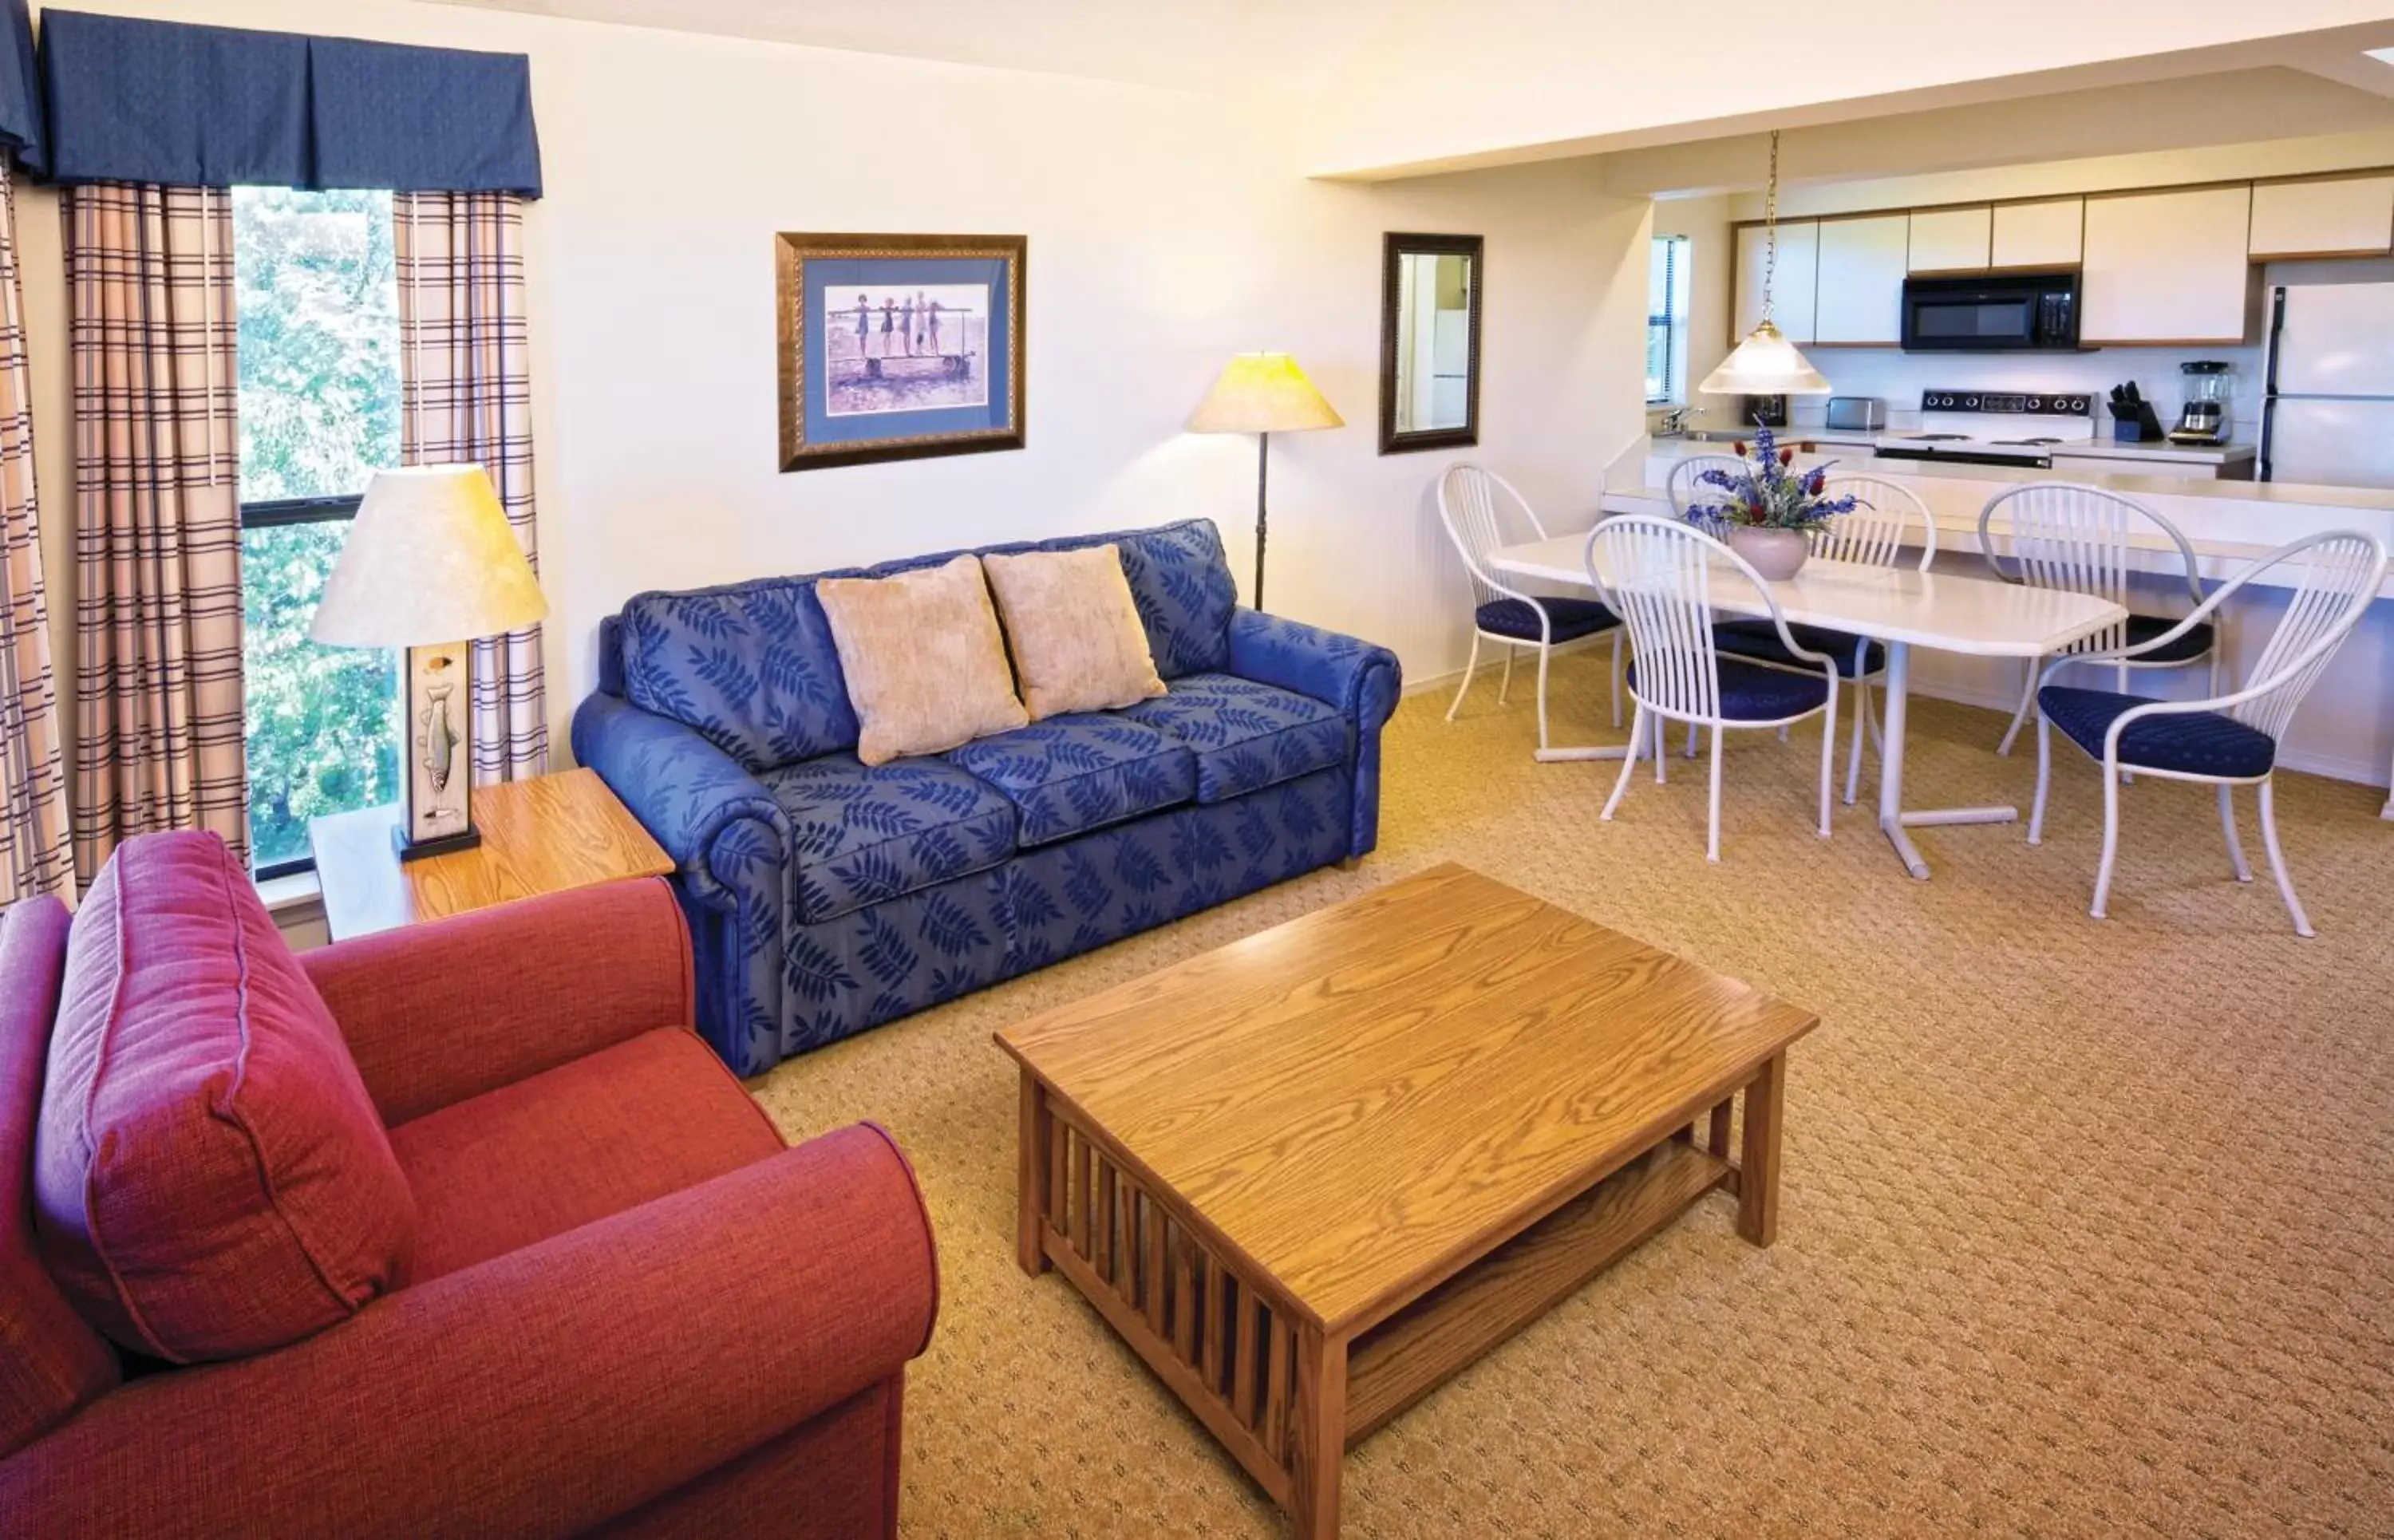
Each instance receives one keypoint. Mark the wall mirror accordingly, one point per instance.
(1429, 341)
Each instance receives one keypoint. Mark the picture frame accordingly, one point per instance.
(898, 346)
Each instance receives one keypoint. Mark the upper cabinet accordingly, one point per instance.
(2168, 268)
(2339, 216)
(2046, 234)
(1793, 291)
(1951, 239)
(1861, 280)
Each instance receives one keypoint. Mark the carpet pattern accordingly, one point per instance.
(2088, 1228)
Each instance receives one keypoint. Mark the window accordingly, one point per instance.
(318, 302)
(1667, 323)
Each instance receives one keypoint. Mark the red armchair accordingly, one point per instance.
(631, 1310)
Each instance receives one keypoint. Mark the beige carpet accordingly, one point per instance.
(2087, 1228)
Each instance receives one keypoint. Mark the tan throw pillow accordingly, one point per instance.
(925, 664)
(1078, 644)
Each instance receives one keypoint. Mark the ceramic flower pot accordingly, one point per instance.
(1776, 554)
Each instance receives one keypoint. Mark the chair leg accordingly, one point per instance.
(2278, 863)
(1542, 651)
(1504, 688)
(1854, 765)
(1870, 714)
(1712, 827)
(1628, 763)
(2044, 778)
(1661, 747)
(2228, 827)
(1469, 671)
(1616, 676)
(2028, 698)
(1692, 740)
(1829, 764)
(2111, 837)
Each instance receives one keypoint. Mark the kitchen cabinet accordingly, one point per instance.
(2045, 234)
(1860, 285)
(2168, 268)
(2327, 217)
(1795, 291)
(1951, 239)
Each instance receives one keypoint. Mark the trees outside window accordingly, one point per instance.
(318, 302)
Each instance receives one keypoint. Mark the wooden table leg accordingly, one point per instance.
(1318, 1445)
(1757, 1185)
(1031, 1168)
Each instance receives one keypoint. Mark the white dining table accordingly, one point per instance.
(1901, 607)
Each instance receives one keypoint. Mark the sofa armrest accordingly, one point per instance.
(540, 1392)
(692, 797)
(1357, 678)
(436, 1013)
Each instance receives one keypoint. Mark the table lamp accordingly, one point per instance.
(1263, 394)
(430, 566)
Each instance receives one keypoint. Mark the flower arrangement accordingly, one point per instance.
(1766, 494)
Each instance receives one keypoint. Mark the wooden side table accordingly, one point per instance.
(541, 835)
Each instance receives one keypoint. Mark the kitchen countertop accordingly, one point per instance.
(2092, 449)
(1846, 452)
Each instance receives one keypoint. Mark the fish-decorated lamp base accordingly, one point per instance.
(437, 753)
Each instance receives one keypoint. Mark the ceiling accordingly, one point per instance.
(1213, 45)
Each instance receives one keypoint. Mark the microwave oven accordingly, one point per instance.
(2014, 312)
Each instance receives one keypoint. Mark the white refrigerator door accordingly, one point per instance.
(2332, 443)
(2336, 339)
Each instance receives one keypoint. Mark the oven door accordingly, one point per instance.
(1971, 315)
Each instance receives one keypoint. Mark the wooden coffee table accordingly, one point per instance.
(1312, 1176)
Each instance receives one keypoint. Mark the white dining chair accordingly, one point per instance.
(1684, 486)
(1887, 522)
(1661, 584)
(2061, 534)
(2229, 740)
(1473, 500)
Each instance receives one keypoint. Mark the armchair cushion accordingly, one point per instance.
(2194, 742)
(589, 1138)
(1567, 619)
(1246, 736)
(1758, 640)
(1750, 692)
(865, 832)
(211, 1179)
(2194, 645)
(1070, 774)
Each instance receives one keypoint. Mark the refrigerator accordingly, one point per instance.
(2327, 415)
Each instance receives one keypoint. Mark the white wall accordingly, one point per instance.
(1166, 231)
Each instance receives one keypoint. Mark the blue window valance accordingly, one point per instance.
(162, 101)
(20, 90)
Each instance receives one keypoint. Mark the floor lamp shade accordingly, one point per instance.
(1263, 394)
(430, 565)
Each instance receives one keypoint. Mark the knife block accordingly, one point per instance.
(2133, 425)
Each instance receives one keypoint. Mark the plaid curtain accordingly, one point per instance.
(158, 624)
(36, 848)
(465, 372)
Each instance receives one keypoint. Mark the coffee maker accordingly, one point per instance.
(2203, 418)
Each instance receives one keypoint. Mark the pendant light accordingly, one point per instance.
(1766, 363)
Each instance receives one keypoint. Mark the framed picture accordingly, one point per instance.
(898, 346)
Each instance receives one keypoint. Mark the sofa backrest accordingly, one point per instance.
(50, 1362)
(751, 665)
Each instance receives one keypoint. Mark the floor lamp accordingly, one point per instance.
(1263, 394)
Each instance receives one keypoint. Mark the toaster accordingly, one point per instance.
(1856, 414)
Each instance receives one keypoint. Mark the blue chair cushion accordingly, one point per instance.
(1569, 618)
(2187, 648)
(2193, 742)
(865, 834)
(1758, 640)
(749, 667)
(1752, 693)
(1246, 735)
(1080, 772)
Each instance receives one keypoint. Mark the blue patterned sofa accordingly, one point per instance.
(825, 897)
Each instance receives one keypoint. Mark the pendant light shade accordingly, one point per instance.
(1766, 363)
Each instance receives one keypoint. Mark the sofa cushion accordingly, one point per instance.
(211, 1179)
(749, 667)
(1073, 629)
(924, 661)
(1070, 774)
(1245, 735)
(50, 1362)
(1180, 580)
(644, 1118)
(860, 833)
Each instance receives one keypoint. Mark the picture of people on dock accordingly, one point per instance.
(906, 350)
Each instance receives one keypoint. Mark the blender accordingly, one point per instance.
(2203, 419)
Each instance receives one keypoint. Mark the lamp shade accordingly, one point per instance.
(1766, 363)
(429, 560)
(1263, 393)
